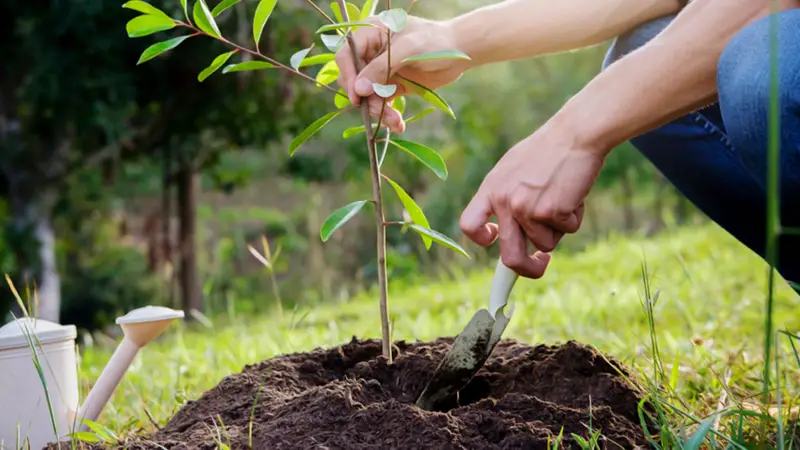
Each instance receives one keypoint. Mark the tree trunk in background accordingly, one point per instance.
(627, 200)
(166, 227)
(49, 282)
(33, 241)
(319, 273)
(188, 186)
(657, 222)
(36, 266)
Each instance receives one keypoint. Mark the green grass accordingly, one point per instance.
(708, 322)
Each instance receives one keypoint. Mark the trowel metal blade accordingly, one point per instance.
(500, 324)
(465, 358)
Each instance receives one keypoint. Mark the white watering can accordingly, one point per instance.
(24, 412)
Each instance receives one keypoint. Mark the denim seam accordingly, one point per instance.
(713, 129)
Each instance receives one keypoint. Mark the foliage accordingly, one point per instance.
(203, 23)
(105, 280)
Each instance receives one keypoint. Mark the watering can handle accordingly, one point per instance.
(502, 283)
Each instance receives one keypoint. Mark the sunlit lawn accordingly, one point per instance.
(709, 315)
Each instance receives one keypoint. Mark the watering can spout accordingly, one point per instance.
(139, 327)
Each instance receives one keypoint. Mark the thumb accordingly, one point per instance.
(379, 70)
(475, 223)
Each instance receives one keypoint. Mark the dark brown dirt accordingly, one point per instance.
(349, 398)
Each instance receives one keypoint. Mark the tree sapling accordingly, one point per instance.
(347, 17)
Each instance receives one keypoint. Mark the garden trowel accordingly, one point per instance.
(473, 345)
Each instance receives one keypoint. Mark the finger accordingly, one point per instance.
(347, 72)
(365, 39)
(542, 236)
(567, 223)
(538, 231)
(514, 251)
(474, 221)
(380, 69)
(391, 117)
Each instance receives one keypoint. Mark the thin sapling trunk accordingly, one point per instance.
(377, 198)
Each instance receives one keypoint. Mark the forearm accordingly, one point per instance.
(516, 29)
(672, 75)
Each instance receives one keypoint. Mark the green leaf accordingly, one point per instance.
(331, 42)
(394, 19)
(317, 59)
(86, 436)
(311, 130)
(337, 12)
(339, 26)
(339, 218)
(352, 131)
(384, 90)
(204, 20)
(419, 115)
(146, 25)
(399, 104)
(352, 12)
(417, 216)
(439, 238)
(440, 54)
(144, 7)
(368, 9)
(328, 74)
(582, 443)
(247, 65)
(297, 58)
(104, 433)
(263, 11)
(215, 64)
(160, 47)
(429, 96)
(185, 10)
(222, 6)
(426, 155)
(341, 100)
(696, 439)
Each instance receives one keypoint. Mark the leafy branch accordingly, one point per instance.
(347, 17)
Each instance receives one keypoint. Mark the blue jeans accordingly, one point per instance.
(717, 156)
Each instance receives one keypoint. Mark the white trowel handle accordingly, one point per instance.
(503, 282)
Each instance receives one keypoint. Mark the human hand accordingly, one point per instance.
(536, 191)
(419, 36)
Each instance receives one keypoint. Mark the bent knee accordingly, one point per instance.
(744, 67)
(635, 38)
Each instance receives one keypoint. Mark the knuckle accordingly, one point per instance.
(546, 246)
(501, 199)
(413, 43)
(513, 261)
(543, 211)
(518, 205)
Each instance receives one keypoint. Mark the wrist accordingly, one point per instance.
(581, 132)
(469, 36)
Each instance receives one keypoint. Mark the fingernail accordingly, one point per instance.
(363, 87)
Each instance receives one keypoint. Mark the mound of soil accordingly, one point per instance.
(347, 397)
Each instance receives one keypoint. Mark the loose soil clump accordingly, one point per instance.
(348, 397)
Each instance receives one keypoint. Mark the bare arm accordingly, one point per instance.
(672, 75)
(516, 29)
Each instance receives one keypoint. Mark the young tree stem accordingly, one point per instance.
(377, 197)
(257, 53)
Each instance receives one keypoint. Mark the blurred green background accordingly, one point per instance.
(126, 185)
